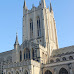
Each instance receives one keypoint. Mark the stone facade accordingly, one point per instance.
(38, 53)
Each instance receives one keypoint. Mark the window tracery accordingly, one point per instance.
(26, 54)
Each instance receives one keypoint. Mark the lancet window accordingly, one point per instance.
(31, 28)
(38, 27)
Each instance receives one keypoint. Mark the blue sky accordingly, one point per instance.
(11, 13)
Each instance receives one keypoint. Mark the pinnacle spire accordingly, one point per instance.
(16, 41)
(24, 5)
(50, 7)
(43, 3)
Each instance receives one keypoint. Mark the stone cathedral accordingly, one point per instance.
(39, 52)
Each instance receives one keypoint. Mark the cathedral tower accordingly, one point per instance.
(39, 26)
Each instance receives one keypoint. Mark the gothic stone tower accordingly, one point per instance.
(39, 26)
(39, 39)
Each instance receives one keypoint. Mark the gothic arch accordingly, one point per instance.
(64, 59)
(24, 54)
(27, 53)
(51, 61)
(70, 58)
(48, 72)
(63, 71)
(57, 60)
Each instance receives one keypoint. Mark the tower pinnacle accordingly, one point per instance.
(24, 5)
(50, 6)
(16, 41)
(43, 3)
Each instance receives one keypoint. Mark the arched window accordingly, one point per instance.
(33, 54)
(26, 72)
(57, 60)
(70, 58)
(20, 56)
(27, 53)
(48, 72)
(51, 61)
(63, 71)
(64, 59)
(31, 28)
(38, 27)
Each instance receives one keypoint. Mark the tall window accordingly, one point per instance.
(33, 54)
(38, 27)
(20, 56)
(26, 54)
(31, 28)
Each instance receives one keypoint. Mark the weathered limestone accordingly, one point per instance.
(38, 53)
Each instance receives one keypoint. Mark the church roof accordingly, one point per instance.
(63, 51)
(6, 53)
